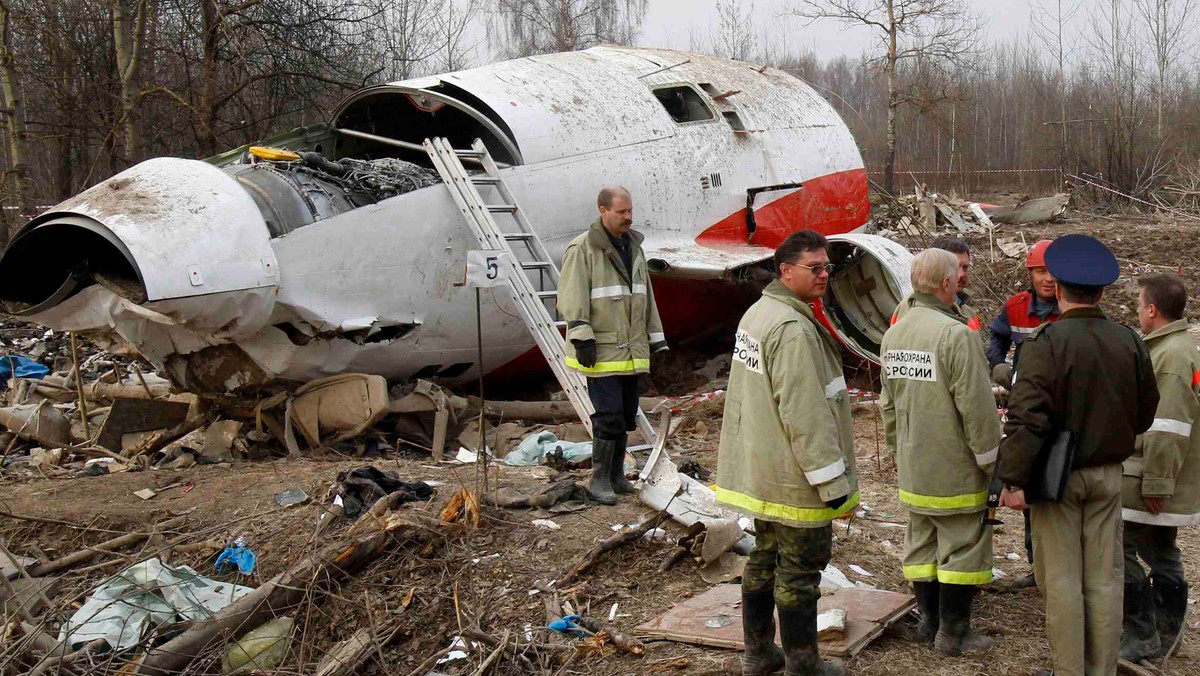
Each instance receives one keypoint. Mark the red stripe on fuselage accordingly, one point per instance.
(830, 204)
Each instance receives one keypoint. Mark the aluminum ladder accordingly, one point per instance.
(527, 260)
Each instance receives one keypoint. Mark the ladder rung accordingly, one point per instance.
(536, 265)
(483, 179)
(517, 236)
(547, 294)
(560, 325)
(472, 154)
(502, 208)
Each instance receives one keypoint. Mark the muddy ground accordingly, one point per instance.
(483, 576)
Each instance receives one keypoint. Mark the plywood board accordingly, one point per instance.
(714, 618)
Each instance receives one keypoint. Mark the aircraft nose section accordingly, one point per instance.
(179, 237)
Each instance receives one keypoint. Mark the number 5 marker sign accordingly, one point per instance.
(487, 268)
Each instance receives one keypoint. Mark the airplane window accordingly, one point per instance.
(683, 104)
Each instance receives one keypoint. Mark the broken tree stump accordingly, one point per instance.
(618, 638)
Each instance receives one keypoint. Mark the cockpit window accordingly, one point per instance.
(683, 104)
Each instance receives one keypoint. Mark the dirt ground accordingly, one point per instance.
(484, 576)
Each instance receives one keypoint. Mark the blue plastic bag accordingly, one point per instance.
(241, 557)
(25, 367)
(568, 625)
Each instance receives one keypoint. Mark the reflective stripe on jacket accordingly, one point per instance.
(938, 410)
(1013, 325)
(600, 301)
(1166, 458)
(786, 443)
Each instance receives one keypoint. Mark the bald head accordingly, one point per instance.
(616, 209)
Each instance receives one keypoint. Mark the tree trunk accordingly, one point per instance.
(15, 126)
(207, 110)
(889, 160)
(129, 30)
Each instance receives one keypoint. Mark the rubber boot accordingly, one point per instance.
(601, 484)
(798, 631)
(1139, 635)
(620, 484)
(1170, 609)
(955, 636)
(928, 603)
(762, 656)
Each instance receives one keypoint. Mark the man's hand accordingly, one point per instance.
(1155, 505)
(585, 353)
(1013, 499)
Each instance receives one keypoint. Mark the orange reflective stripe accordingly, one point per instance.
(895, 318)
(1195, 378)
(974, 324)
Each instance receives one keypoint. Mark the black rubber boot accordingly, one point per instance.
(762, 656)
(955, 636)
(616, 477)
(601, 484)
(798, 630)
(1170, 610)
(928, 603)
(1139, 635)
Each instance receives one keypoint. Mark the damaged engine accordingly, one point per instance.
(295, 189)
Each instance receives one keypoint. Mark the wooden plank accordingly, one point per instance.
(714, 619)
(138, 415)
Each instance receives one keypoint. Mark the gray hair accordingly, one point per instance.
(930, 268)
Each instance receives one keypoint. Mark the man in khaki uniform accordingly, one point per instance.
(959, 247)
(787, 458)
(604, 295)
(1092, 377)
(1161, 488)
(941, 422)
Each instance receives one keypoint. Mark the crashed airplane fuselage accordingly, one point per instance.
(251, 268)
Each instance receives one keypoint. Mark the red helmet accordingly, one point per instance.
(1037, 255)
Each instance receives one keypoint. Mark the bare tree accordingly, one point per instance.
(1049, 22)
(735, 37)
(129, 33)
(16, 173)
(934, 34)
(526, 27)
(1169, 23)
(451, 28)
(1114, 52)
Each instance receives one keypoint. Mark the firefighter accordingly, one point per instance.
(941, 423)
(1021, 314)
(613, 327)
(1160, 490)
(786, 458)
(958, 247)
(1092, 377)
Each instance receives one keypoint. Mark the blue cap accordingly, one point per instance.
(1080, 260)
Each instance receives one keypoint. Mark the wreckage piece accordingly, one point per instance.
(618, 638)
(40, 422)
(868, 613)
(342, 405)
(290, 266)
(547, 496)
(687, 501)
(1037, 210)
(138, 415)
(331, 565)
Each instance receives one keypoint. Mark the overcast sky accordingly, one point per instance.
(670, 23)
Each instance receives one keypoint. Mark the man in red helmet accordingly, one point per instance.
(1020, 315)
(1025, 311)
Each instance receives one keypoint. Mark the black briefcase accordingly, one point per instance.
(1048, 476)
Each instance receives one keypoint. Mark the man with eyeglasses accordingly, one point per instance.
(786, 458)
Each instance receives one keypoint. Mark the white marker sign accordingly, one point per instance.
(487, 268)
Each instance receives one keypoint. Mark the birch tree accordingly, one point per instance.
(527, 27)
(1169, 23)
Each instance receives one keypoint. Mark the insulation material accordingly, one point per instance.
(342, 406)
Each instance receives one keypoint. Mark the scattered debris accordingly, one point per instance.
(546, 523)
(261, 649)
(293, 496)
(146, 493)
(359, 489)
(564, 492)
(239, 555)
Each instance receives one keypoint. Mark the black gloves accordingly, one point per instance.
(836, 502)
(585, 353)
